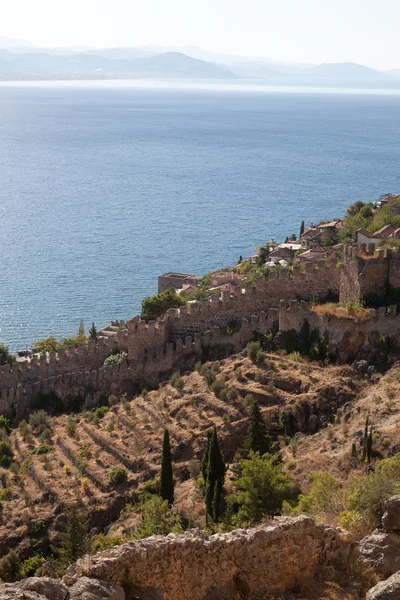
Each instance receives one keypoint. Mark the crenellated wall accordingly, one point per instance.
(210, 328)
(351, 338)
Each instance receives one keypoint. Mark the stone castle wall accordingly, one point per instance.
(246, 563)
(204, 329)
(351, 338)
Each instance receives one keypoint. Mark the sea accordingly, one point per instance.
(106, 185)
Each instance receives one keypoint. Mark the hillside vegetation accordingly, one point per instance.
(106, 462)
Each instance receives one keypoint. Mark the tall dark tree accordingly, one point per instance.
(301, 229)
(215, 478)
(167, 479)
(257, 438)
(93, 333)
(365, 439)
(369, 445)
(74, 542)
(204, 462)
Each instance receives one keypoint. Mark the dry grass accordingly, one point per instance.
(339, 311)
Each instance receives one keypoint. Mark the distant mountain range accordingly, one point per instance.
(20, 60)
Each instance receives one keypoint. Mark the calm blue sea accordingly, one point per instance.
(103, 187)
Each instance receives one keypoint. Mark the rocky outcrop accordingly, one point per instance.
(237, 565)
(391, 517)
(45, 588)
(380, 551)
(386, 590)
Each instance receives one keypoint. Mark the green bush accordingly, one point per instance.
(31, 565)
(252, 350)
(38, 420)
(10, 567)
(260, 490)
(118, 476)
(102, 542)
(43, 449)
(5, 357)
(116, 359)
(6, 454)
(100, 411)
(217, 387)
(156, 306)
(157, 519)
(5, 424)
(176, 381)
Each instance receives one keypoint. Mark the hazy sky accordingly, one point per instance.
(311, 31)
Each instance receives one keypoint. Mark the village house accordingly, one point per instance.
(323, 234)
(313, 255)
(176, 281)
(386, 232)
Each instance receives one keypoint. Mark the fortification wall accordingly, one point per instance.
(148, 367)
(311, 282)
(352, 339)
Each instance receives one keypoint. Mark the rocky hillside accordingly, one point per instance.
(315, 412)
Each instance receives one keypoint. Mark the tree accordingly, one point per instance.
(156, 306)
(355, 208)
(215, 477)
(5, 357)
(204, 462)
(364, 439)
(261, 489)
(74, 542)
(240, 259)
(369, 445)
(262, 255)
(93, 333)
(257, 438)
(301, 229)
(157, 519)
(166, 479)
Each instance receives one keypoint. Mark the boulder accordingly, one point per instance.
(45, 588)
(381, 552)
(34, 588)
(386, 590)
(391, 517)
(86, 588)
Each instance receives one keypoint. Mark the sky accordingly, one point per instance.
(302, 31)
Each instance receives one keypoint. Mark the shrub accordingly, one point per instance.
(324, 500)
(156, 306)
(113, 400)
(248, 399)
(24, 430)
(10, 567)
(157, 519)
(102, 542)
(252, 349)
(38, 421)
(6, 454)
(71, 426)
(31, 565)
(115, 359)
(5, 357)
(261, 489)
(176, 381)
(100, 412)
(43, 449)
(217, 387)
(118, 476)
(5, 424)
(5, 495)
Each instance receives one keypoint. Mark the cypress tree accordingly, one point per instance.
(166, 479)
(369, 445)
(365, 438)
(74, 542)
(204, 463)
(257, 438)
(301, 229)
(93, 334)
(215, 477)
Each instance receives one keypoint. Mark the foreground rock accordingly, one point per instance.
(45, 588)
(233, 566)
(386, 590)
(391, 517)
(380, 552)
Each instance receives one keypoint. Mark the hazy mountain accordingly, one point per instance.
(346, 70)
(9, 43)
(14, 66)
